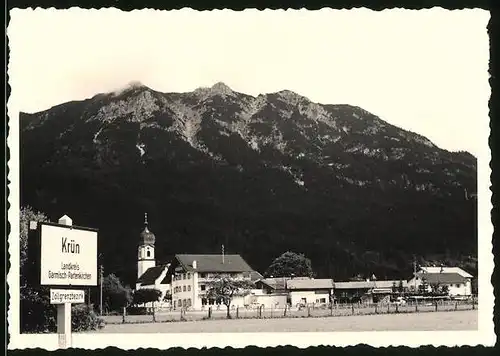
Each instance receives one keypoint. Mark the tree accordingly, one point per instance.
(435, 288)
(357, 278)
(167, 297)
(401, 287)
(423, 286)
(394, 287)
(36, 312)
(115, 295)
(225, 289)
(26, 215)
(444, 289)
(146, 295)
(290, 264)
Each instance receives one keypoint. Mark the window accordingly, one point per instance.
(203, 275)
(189, 288)
(189, 275)
(183, 288)
(203, 301)
(188, 302)
(203, 287)
(457, 285)
(148, 253)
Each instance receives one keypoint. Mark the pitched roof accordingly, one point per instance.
(274, 283)
(457, 270)
(369, 284)
(213, 263)
(309, 283)
(450, 278)
(390, 283)
(355, 285)
(255, 276)
(151, 275)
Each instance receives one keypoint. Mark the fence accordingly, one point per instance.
(289, 312)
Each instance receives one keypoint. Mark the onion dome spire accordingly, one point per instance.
(147, 237)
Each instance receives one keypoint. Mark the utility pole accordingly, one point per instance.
(101, 273)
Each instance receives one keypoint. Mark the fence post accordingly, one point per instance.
(209, 312)
(308, 311)
(272, 311)
(388, 308)
(436, 306)
(456, 305)
(123, 315)
(352, 308)
(284, 312)
(397, 309)
(237, 312)
(376, 311)
(416, 306)
(260, 311)
(331, 309)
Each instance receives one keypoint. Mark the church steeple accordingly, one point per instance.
(146, 249)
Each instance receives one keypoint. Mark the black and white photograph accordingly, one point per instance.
(220, 178)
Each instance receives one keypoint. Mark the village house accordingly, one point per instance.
(309, 291)
(457, 281)
(190, 276)
(299, 291)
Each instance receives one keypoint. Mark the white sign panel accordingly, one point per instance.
(68, 256)
(62, 296)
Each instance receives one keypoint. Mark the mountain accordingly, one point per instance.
(261, 175)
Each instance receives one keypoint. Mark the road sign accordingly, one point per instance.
(62, 296)
(68, 255)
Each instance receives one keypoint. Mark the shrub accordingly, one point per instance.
(37, 315)
(146, 295)
(84, 318)
(137, 311)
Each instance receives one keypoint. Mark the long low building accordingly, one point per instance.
(367, 291)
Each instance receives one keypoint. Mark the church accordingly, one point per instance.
(150, 275)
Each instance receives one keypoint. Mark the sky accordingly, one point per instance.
(425, 71)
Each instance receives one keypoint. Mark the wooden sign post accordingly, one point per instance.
(66, 257)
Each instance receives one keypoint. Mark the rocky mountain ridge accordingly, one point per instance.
(216, 166)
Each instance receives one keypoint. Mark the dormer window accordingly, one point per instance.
(148, 253)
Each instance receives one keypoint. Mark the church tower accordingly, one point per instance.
(146, 250)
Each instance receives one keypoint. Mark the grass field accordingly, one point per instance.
(453, 320)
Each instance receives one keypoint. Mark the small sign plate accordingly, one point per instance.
(62, 296)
